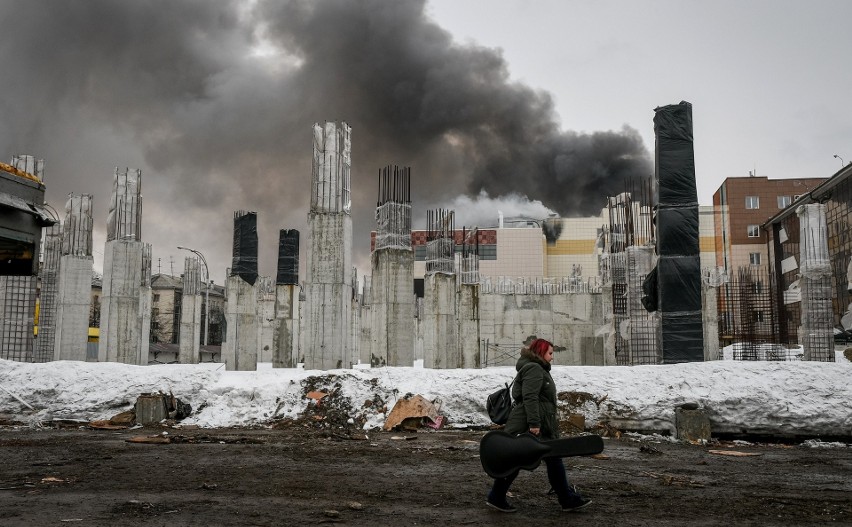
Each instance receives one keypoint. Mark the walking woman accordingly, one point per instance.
(534, 393)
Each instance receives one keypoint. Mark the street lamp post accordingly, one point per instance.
(206, 291)
(840, 158)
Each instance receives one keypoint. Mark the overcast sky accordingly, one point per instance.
(513, 105)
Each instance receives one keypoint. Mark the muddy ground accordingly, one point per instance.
(298, 475)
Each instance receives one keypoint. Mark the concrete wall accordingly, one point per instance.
(72, 310)
(567, 320)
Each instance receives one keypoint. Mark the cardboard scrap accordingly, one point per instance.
(315, 395)
(414, 408)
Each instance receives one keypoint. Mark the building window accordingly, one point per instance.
(758, 316)
(757, 287)
(754, 231)
(156, 297)
(752, 202)
(784, 201)
(754, 258)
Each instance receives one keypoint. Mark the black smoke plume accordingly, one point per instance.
(214, 100)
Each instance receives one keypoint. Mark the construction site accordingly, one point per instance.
(443, 312)
(648, 282)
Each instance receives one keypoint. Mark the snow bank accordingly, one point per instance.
(789, 398)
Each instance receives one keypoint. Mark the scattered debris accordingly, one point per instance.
(208, 486)
(410, 413)
(734, 453)
(572, 425)
(106, 425)
(600, 456)
(576, 400)
(355, 506)
(604, 429)
(331, 513)
(647, 449)
(156, 440)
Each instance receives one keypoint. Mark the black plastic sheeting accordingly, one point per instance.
(650, 290)
(245, 247)
(675, 156)
(288, 257)
(684, 338)
(679, 228)
(677, 279)
(678, 271)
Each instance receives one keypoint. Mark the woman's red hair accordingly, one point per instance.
(539, 347)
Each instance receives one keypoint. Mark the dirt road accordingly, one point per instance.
(300, 476)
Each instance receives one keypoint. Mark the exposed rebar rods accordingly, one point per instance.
(393, 208)
(394, 185)
(440, 242)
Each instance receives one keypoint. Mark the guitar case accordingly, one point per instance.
(502, 454)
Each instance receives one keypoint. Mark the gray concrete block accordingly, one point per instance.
(692, 424)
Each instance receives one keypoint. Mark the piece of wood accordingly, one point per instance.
(734, 453)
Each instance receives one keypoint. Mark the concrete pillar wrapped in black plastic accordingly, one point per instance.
(679, 265)
(288, 257)
(245, 246)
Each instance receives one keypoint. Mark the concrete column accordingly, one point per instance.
(266, 318)
(190, 313)
(816, 284)
(366, 349)
(392, 305)
(190, 329)
(73, 301)
(328, 288)
(643, 330)
(440, 336)
(126, 302)
(45, 347)
(469, 326)
(285, 346)
(75, 280)
(243, 329)
(710, 315)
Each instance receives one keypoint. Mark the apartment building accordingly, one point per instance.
(741, 206)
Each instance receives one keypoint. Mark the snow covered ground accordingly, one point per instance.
(789, 398)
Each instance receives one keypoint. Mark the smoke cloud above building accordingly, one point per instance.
(214, 101)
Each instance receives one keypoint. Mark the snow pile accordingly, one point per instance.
(789, 398)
